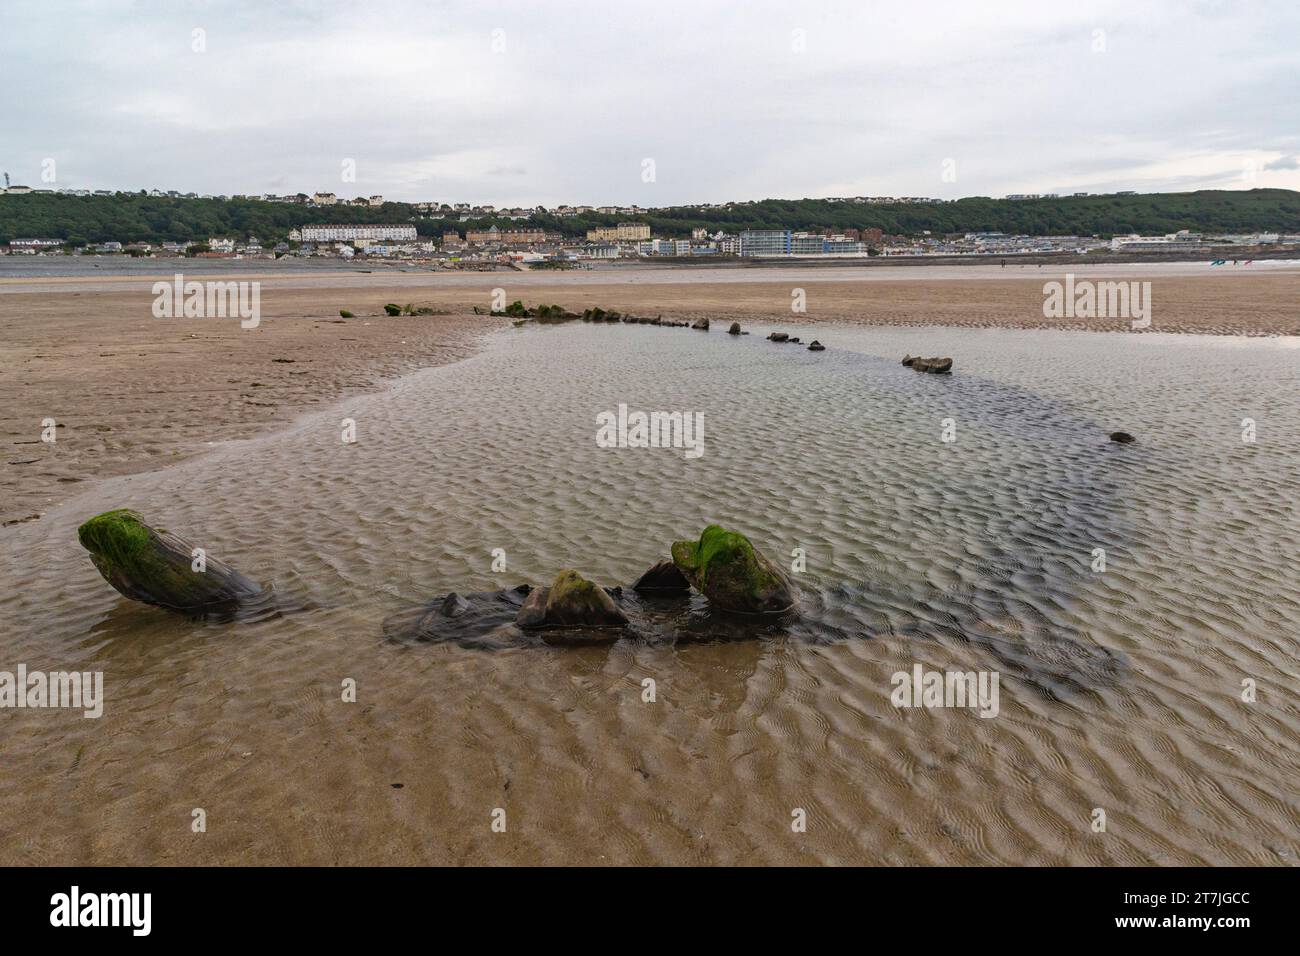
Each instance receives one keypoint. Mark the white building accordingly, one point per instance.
(34, 245)
(324, 199)
(592, 251)
(339, 233)
(1174, 241)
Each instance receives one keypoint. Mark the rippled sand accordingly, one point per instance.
(1119, 690)
(133, 393)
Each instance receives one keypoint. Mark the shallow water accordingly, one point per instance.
(1119, 689)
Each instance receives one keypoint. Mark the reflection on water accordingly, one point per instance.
(1120, 689)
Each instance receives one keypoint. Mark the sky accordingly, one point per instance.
(657, 104)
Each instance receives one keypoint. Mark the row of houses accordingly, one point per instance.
(154, 193)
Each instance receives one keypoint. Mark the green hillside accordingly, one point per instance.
(136, 217)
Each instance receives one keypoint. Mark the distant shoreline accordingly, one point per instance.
(1056, 258)
(16, 269)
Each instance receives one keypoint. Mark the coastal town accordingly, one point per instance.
(452, 236)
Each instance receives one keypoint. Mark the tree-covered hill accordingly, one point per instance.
(1272, 210)
(136, 217)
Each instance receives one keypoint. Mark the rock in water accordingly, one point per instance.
(815, 346)
(664, 576)
(157, 567)
(701, 324)
(908, 359)
(1124, 438)
(570, 601)
(732, 574)
(735, 329)
(938, 366)
(778, 337)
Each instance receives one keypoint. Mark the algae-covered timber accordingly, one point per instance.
(727, 569)
(157, 567)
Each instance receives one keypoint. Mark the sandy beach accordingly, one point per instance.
(132, 393)
(232, 434)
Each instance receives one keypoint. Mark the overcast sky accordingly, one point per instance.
(550, 102)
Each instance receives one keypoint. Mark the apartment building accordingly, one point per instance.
(494, 235)
(766, 242)
(623, 232)
(349, 233)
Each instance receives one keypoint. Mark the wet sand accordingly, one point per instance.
(132, 393)
(1119, 690)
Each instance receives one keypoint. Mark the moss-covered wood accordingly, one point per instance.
(157, 567)
(570, 601)
(727, 569)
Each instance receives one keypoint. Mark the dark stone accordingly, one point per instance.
(701, 324)
(815, 346)
(1124, 438)
(454, 605)
(664, 576)
(778, 337)
(735, 329)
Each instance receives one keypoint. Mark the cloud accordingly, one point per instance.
(518, 103)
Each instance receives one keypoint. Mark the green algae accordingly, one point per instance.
(571, 590)
(725, 567)
(117, 538)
